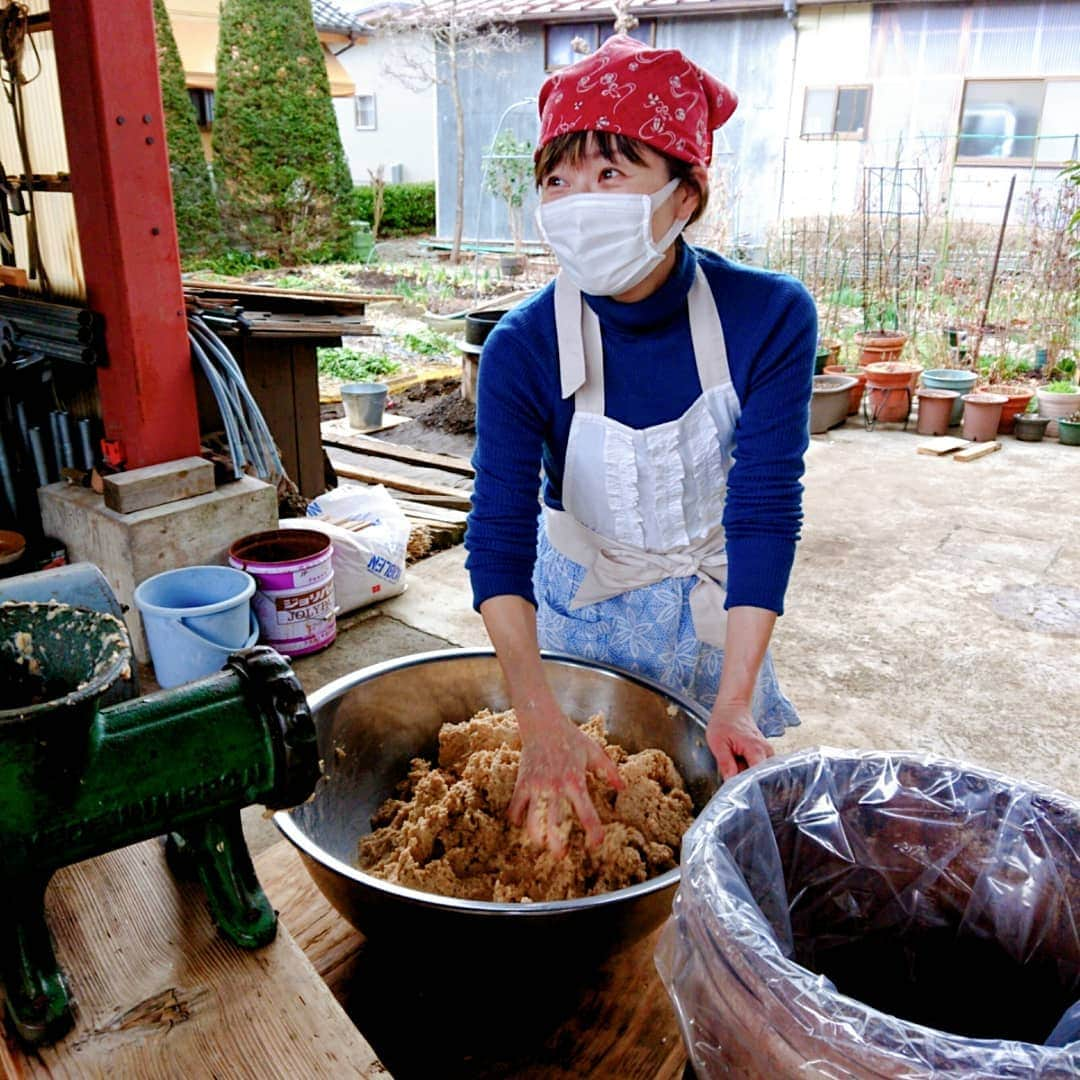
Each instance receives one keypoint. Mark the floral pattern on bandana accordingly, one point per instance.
(655, 95)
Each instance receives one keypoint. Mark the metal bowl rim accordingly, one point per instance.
(332, 690)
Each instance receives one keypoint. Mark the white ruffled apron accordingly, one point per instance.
(632, 571)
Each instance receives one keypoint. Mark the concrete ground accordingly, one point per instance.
(934, 606)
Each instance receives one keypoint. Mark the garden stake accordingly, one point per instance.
(993, 274)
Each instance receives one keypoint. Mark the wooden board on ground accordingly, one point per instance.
(977, 451)
(619, 1023)
(218, 289)
(444, 515)
(160, 992)
(155, 485)
(459, 499)
(359, 443)
(341, 429)
(943, 444)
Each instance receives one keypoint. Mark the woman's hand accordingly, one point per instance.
(734, 738)
(555, 756)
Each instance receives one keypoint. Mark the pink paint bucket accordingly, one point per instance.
(294, 602)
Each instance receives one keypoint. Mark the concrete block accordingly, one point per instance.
(155, 485)
(129, 548)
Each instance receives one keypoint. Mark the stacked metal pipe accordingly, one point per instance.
(58, 331)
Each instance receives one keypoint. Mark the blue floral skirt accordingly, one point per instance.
(648, 631)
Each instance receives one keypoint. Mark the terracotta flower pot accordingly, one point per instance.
(963, 382)
(1018, 398)
(982, 414)
(888, 391)
(880, 346)
(833, 345)
(935, 411)
(856, 392)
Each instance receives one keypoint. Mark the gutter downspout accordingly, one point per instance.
(791, 12)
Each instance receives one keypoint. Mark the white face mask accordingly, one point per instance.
(604, 241)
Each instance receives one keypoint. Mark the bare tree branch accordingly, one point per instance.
(433, 40)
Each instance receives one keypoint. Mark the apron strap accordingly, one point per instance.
(590, 396)
(707, 334)
(568, 332)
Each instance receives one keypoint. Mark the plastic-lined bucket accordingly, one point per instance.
(364, 404)
(295, 603)
(194, 618)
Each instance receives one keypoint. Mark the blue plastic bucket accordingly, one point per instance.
(194, 618)
(963, 382)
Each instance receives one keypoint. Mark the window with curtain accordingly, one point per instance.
(1019, 121)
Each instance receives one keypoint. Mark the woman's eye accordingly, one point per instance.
(553, 181)
(609, 174)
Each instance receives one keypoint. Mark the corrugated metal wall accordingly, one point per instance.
(752, 53)
(55, 211)
(915, 57)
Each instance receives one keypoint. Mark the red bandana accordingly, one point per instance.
(654, 95)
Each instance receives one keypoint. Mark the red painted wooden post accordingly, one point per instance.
(107, 62)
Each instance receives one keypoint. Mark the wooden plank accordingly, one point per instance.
(441, 514)
(434, 500)
(155, 485)
(943, 444)
(160, 992)
(310, 474)
(219, 288)
(363, 444)
(977, 451)
(458, 499)
(617, 1023)
(267, 367)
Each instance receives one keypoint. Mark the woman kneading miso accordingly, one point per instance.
(664, 391)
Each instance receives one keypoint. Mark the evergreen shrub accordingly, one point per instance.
(408, 208)
(284, 183)
(198, 221)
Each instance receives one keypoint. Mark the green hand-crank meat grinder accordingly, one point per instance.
(77, 780)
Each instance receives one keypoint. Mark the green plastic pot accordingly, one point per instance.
(1069, 432)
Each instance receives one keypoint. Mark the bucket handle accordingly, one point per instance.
(253, 636)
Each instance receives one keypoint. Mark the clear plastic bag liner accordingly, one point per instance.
(876, 914)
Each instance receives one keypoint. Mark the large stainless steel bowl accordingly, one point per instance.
(371, 723)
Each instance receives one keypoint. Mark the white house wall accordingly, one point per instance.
(405, 119)
(823, 176)
(916, 59)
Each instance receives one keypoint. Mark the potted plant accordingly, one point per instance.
(508, 177)
(1069, 429)
(1056, 400)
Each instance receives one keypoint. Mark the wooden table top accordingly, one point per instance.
(619, 1023)
(160, 993)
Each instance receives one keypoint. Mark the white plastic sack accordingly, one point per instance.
(369, 564)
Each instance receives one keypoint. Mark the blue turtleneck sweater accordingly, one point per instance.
(650, 377)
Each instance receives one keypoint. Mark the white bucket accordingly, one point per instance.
(295, 602)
